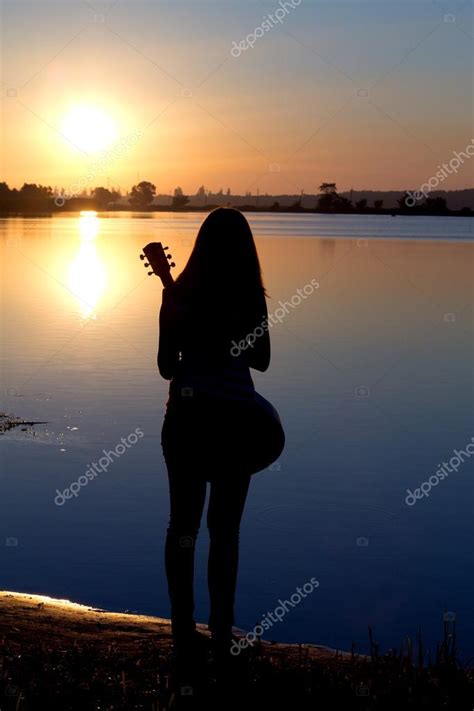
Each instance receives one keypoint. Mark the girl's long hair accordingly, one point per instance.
(224, 263)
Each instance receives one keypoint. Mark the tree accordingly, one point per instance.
(361, 205)
(142, 194)
(32, 196)
(31, 190)
(342, 204)
(296, 206)
(8, 198)
(179, 198)
(201, 195)
(437, 204)
(331, 201)
(5, 193)
(328, 188)
(402, 201)
(103, 197)
(378, 204)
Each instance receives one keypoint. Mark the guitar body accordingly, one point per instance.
(216, 436)
(264, 437)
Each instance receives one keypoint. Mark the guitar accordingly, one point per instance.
(159, 262)
(261, 438)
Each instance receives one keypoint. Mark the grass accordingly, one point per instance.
(65, 659)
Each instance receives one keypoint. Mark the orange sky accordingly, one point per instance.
(368, 94)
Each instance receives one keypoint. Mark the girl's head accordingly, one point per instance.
(224, 257)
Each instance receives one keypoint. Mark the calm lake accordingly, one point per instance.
(372, 375)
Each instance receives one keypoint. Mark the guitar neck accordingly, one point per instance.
(167, 279)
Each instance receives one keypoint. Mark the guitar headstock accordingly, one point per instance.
(159, 262)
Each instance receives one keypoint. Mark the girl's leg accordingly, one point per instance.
(226, 505)
(187, 497)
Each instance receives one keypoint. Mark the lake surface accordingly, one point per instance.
(372, 375)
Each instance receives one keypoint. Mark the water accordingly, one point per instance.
(372, 375)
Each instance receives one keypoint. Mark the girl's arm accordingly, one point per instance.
(259, 354)
(168, 351)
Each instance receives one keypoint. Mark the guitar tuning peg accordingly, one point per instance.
(172, 264)
(165, 247)
(150, 273)
(168, 256)
(142, 257)
(146, 264)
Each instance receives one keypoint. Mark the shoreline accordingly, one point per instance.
(63, 656)
(89, 205)
(31, 615)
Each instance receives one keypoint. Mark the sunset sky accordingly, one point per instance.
(367, 94)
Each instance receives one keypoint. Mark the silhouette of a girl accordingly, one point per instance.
(217, 300)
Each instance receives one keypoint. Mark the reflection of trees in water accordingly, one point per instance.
(328, 247)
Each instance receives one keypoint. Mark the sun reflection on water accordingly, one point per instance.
(87, 276)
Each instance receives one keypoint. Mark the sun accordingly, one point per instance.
(89, 129)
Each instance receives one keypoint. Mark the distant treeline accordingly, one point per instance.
(39, 198)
